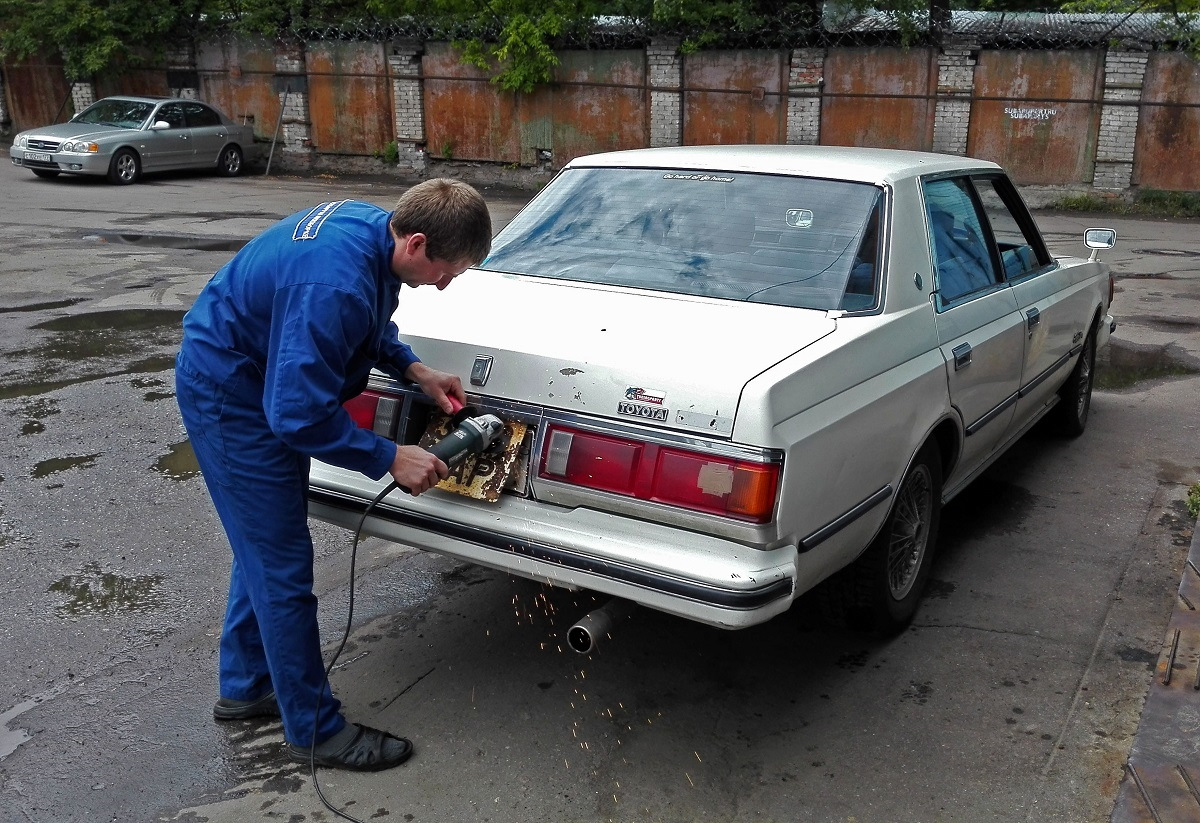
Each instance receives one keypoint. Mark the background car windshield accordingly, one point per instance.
(125, 113)
(761, 238)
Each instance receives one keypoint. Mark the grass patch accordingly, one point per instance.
(1145, 203)
(1193, 500)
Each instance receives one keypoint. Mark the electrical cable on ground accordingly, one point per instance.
(312, 752)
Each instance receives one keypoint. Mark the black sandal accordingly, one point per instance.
(369, 750)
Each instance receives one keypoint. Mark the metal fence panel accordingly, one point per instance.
(37, 92)
(236, 76)
(149, 82)
(1037, 113)
(599, 104)
(879, 97)
(466, 116)
(1168, 137)
(349, 97)
(734, 97)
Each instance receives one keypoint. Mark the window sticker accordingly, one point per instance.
(798, 218)
(702, 178)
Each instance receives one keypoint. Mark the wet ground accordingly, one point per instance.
(1015, 695)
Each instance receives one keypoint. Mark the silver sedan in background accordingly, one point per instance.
(123, 137)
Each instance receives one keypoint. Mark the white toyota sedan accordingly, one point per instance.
(733, 373)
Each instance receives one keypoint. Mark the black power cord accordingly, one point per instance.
(312, 752)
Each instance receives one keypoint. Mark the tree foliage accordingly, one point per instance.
(514, 40)
(93, 36)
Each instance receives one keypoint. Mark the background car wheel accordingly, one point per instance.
(230, 162)
(45, 173)
(1075, 396)
(880, 591)
(125, 167)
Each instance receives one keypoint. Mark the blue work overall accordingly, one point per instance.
(278, 339)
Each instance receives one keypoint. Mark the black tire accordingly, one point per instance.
(229, 164)
(125, 168)
(881, 590)
(1070, 416)
(46, 173)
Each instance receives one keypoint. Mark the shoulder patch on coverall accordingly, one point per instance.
(311, 223)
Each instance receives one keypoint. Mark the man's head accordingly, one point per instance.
(441, 227)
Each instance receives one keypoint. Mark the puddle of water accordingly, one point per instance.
(108, 334)
(1129, 365)
(33, 427)
(54, 304)
(151, 396)
(62, 464)
(40, 409)
(94, 591)
(115, 319)
(170, 241)
(179, 463)
(150, 364)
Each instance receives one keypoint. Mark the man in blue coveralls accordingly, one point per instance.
(280, 337)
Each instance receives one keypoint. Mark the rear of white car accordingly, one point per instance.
(725, 365)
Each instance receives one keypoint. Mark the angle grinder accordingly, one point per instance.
(473, 434)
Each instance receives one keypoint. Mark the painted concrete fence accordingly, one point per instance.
(1074, 119)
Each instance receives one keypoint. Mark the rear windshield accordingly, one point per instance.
(760, 238)
(126, 113)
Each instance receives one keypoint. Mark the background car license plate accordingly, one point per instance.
(485, 476)
(37, 156)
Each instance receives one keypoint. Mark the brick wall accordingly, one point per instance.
(1124, 74)
(806, 75)
(665, 74)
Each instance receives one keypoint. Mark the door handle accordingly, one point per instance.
(1033, 317)
(962, 356)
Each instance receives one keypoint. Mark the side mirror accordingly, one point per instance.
(1100, 238)
(1096, 239)
(159, 125)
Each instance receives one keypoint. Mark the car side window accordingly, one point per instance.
(962, 262)
(200, 116)
(1021, 249)
(173, 114)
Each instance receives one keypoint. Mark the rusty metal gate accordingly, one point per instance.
(735, 97)
(349, 97)
(595, 102)
(236, 77)
(151, 82)
(879, 97)
(1168, 138)
(37, 92)
(1037, 113)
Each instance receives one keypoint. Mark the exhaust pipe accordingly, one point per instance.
(586, 633)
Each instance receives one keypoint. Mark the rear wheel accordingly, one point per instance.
(229, 164)
(1075, 396)
(47, 173)
(881, 590)
(125, 167)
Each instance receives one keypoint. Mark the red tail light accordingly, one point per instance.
(742, 489)
(362, 409)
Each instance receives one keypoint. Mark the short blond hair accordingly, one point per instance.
(451, 214)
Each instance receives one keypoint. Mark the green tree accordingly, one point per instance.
(94, 36)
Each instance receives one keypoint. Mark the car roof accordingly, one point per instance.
(830, 162)
(149, 98)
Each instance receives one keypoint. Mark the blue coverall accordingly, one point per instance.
(278, 339)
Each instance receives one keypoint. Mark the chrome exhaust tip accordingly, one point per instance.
(587, 632)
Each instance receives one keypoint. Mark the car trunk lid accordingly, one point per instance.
(656, 358)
